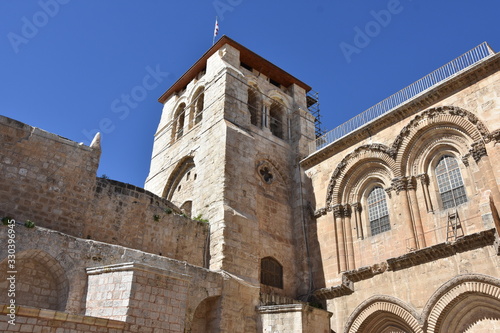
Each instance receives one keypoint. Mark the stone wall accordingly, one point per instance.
(52, 182)
(44, 177)
(293, 318)
(111, 282)
(398, 152)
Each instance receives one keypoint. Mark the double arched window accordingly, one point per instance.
(378, 214)
(450, 183)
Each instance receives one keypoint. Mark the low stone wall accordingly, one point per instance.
(52, 181)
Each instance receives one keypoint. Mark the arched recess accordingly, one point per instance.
(352, 169)
(178, 122)
(180, 185)
(278, 119)
(464, 304)
(197, 106)
(206, 317)
(381, 314)
(254, 104)
(445, 123)
(40, 281)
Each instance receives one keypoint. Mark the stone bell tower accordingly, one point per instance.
(233, 130)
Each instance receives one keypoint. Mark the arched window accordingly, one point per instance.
(450, 183)
(378, 215)
(254, 106)
(276, 119)
(178, 124)
(271, 273)
(198, 103)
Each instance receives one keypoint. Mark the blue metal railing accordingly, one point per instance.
(452, 68)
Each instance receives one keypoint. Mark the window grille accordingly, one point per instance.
(378, 214)
(271, 273)
(450, 183)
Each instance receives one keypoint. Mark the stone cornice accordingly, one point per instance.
(411, 259)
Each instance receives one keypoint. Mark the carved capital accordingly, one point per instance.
(424, 179)
(478, 150)
(356, 207)
(347, 210)
(388, 191)
(399, 184)
(320, 212)
(465, 159)
(412, 183)
(337, 211)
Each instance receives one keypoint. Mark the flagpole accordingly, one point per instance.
(216, 30)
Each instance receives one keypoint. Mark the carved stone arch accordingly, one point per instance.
(461, 120)
(372, 152)
(379, 313)
(426, 139)
(356, 180)
(181, 169)
(419, 159)
(462, 302)
(41, 281)
(205, 317)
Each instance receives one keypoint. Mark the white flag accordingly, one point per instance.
(216, 29)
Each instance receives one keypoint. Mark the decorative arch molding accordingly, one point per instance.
(461, 118)
(455, 291)
(373, 152)
(400, 313)
(352, 185)
(185, 164)
(419, 158)
(452, 118)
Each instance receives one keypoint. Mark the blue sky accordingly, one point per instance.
(66, 63)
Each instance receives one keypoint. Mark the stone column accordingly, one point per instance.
(412, 191)
(480, 155)
(349, 240)
(400, 186)
(337, 213)
(356, 208)
(424, 181)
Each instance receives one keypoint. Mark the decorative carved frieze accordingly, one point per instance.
(442, 250)
(343, 289)
(320, 212)
(478, 150)
(399, 184)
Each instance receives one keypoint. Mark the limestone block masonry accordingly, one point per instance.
(392, 228)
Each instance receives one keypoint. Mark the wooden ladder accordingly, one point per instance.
(454, 228)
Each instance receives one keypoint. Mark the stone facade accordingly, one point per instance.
(240, 228)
